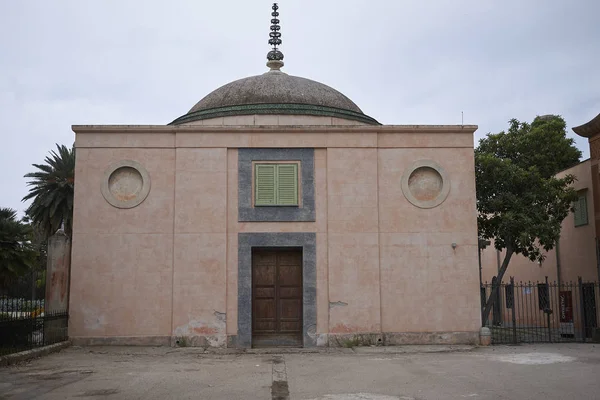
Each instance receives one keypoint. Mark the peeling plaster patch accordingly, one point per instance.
(221, 316)
(212, 331)
(362, 396)
(322, 340)
(205, 330)
(534, 358)
(334, 304)
(92, 320)
(217, 340)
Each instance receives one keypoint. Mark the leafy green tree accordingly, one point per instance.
(17, 255)
(543, 144)
(51, 189)
(520, 202)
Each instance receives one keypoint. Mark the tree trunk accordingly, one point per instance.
(490, 301)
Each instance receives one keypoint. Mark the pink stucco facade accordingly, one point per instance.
(168, 267)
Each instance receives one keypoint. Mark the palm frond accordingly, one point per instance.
(51, 189)
(17, 255)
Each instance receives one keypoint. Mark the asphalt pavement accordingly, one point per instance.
(552, 371)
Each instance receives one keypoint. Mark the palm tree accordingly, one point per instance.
(17, 255)
(52, 192)
(39, 243)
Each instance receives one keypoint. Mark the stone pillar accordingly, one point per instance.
(485, 336)
(58, 269)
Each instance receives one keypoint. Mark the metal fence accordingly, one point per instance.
(527, 312)
(24, 321)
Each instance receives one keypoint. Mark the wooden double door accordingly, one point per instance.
(276, 297)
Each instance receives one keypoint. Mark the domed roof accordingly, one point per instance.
(275, 92)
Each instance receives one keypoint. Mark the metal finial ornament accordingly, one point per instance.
(275, 56)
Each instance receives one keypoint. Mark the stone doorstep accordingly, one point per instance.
(27, 355)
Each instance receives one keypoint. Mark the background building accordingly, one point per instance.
(576, 249)
(559, 295)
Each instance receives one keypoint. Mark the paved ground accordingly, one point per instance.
(562, 371)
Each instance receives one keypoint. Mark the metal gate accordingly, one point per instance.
(527, 312)
(24, 322)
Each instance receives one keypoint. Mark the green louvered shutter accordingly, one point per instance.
(265, 184)
(287, 184)
(581, 216)
(584, 213)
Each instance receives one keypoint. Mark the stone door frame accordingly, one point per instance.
(304, 240)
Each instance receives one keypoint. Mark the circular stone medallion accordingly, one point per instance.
(126, 184)
(425, 184)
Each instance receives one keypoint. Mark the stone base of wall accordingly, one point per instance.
(397, 339)
(199, 341)
(323, 340)
(386, 339)
(402, 338)
(354, 339)
(120, 340)
(173, 341)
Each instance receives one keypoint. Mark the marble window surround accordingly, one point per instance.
(304, 212)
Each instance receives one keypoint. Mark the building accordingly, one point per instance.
(575, 256)
(565, 283)
(275, 212)
(576, 249)
(591, 130)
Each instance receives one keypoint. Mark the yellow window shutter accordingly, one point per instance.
(264, 184)
(287, 184)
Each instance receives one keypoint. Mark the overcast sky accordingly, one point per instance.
(403, 62)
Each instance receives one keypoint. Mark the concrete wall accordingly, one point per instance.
(353, 240)
(427, 284)
(122, 259)
(200, 245)
(577, 245)
(167, 268)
